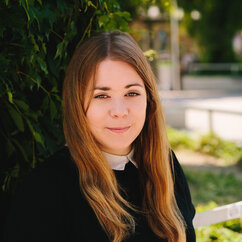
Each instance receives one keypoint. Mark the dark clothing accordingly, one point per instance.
(49, 206)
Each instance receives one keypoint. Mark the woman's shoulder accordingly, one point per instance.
(56, 173)
(58, 161)
(182, 191)
(48, 186)
(179, 177)
(44, 201)
(58, 164)
(177, 169)
(183, 197)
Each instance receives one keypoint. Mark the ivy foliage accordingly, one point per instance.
(37, 40)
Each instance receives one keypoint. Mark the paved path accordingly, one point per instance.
(202, 111)
(202, 162)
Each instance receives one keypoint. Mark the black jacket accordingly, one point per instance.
(49, 206)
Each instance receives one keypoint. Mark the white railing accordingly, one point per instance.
(211, 112)
(233, 67)
(218, 215)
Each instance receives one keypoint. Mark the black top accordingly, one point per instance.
(49, 206)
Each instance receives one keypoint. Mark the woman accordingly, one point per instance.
(118, 179)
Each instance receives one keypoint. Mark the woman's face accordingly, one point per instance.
(117, 110)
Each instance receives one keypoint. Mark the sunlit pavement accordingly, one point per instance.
(202, 111)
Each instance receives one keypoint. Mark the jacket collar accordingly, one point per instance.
(118, 162)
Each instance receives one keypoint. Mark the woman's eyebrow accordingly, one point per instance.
(102, 88)
(127, 86)
(134, 84)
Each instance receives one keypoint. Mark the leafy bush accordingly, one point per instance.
(213, 145)
(181, 139)
(207, 186)
(209, 144)
(218, 233)
(38, 38)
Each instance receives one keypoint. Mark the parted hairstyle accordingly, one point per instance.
(151, 148)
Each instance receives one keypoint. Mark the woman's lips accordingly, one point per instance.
(119, 129)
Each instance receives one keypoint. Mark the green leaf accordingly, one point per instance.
(45, 103)
(15, 171)
(58, 98)
(20, 147)
(2, 29)
(99, 12)
(105, 6)
(53, 67)
(10, 148)
(32, 115)
(53, 110)
(89, 3)
(6, 182)
(26, 11)
(30, 126)
(39, 138)
(21, 104)
(123, 25)
(111, 25)
(42, 64)
(54, 89)
(34, 15)
(102, 20)
(125, 15)
(17, 118)
(44, 48)
(59, 49)
(61, 5)
(10, 97)
(38, 80)
(36, 47)
(36, 134)
(48, 14)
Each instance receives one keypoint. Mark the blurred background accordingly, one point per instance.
(195, 50)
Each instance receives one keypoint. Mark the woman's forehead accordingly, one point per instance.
(112, 72)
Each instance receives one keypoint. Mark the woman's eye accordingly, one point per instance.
(132, 94)
(101, 96)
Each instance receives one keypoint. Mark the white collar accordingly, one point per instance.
(118, 162)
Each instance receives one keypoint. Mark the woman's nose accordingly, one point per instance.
(118, 108)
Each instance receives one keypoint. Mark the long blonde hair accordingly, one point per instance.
(97, 180)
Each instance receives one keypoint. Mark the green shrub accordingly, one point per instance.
(218, 233)
(181, 139)
(37, 39)
(207, 186)
(213, 145)
(209, 144)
